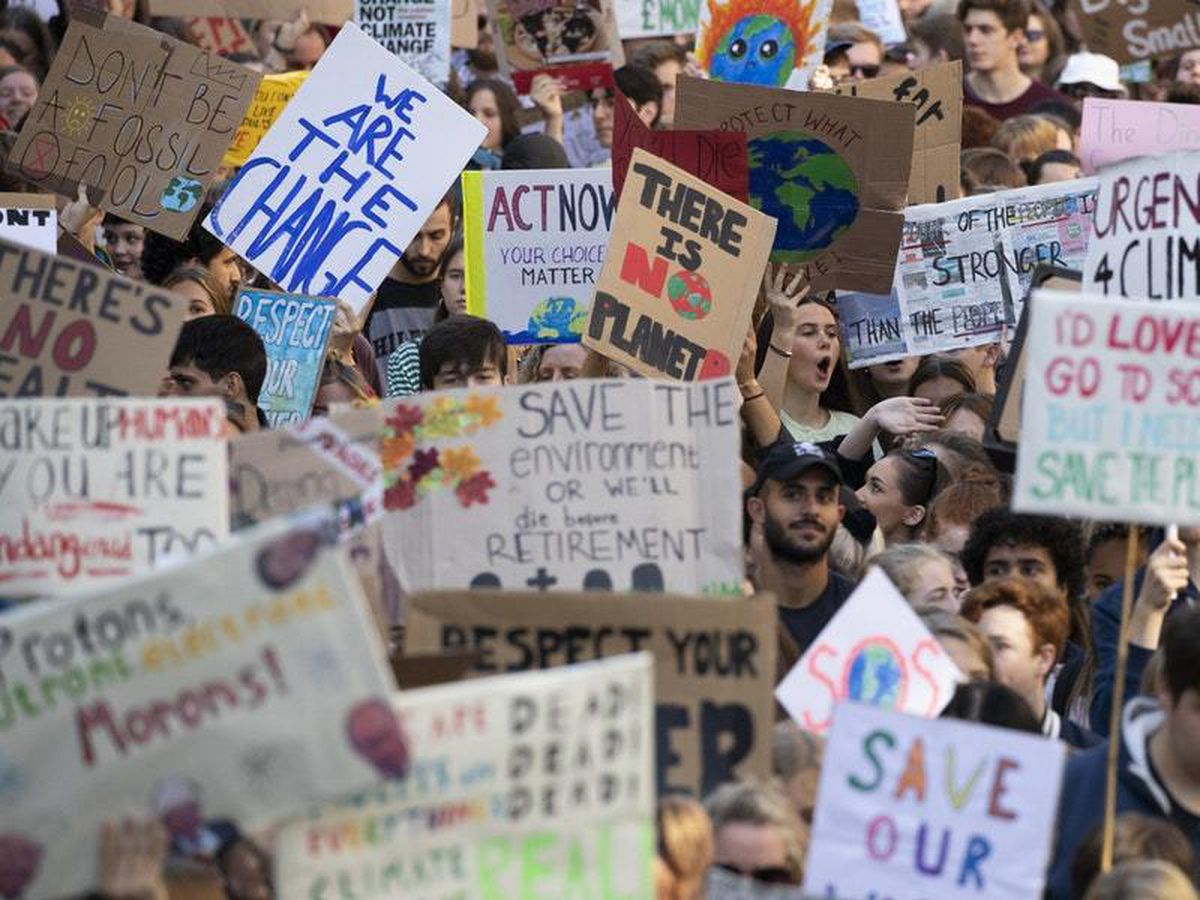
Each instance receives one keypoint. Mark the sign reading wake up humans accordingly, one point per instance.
(678, 287)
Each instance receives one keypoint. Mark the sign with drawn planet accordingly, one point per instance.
(776, 43)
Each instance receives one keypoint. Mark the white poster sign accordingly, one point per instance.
(417, 31)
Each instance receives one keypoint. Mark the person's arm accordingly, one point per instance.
(901, 416)
(80, 219)
(784, 291)
(759, 415)
(546, 92)
(131, 860)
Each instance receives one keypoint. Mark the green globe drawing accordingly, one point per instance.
(875, 677)
(809, 189)
(555, 320)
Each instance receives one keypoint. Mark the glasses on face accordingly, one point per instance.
(1033, 35)
(765, 875)
(864, 71)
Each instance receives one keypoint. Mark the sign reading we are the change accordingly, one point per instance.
(417, 31)
(138, 117)
(1116, 130)
(347, 175)
(246, 685)
(534, 784)
(681, 275)
(762, 42)
(627, 484)
(909, 807)
(535, 241)
(1134, 30)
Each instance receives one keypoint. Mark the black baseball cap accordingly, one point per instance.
(785, 460)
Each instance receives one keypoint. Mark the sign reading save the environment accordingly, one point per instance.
(912, 808)
(535, 241)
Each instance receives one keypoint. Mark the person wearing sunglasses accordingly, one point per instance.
(756, 836)
(1043, 52)
(853, 52)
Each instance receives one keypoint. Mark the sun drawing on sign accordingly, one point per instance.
(79, 113)
(757, 41)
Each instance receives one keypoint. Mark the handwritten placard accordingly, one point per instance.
(273, 94)
(762, 43)
(1131, 31)
(1116, 130)
(576, 43)
(656, 18)
(328, 12)
(417, 31)
(30, 220)
(221, 36)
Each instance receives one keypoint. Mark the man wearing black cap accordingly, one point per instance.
(795, 505)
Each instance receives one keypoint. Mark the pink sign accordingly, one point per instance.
(1114, 130)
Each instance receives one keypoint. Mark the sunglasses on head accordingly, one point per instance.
(765, 875)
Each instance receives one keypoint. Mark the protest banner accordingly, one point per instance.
(774, 43)
(273, 94)
(347, 175)
(874, 650)
(1108, 422)
(140, 118)
(416, 31)
(29, 220)
(244, 685)
(220, 36)
(295, 332)
(464, 24)
(327, 12)
(883, 17)
(680, 278)
(718, 158)
(68, 329)
(96, 490)
(837, 196)
(912, 808)
(1145, 242)
(1133, 30)
(534, 242)
(714, 663)
(537, 784)
(656, 18)
(630, 484)
(1116, 130)
(576, 43)
(937, 94)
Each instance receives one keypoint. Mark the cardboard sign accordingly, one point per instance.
(30, 220)
(347, 175)
(912, 808)
(274, 93)
(92, 491)
(575, 42)
(680, 279)
(464, 24)
(1107, 424)
(656, 18)
(1133, 30)
(1147, 248)
(68, 329)
(1116, 130)
(140, 118)
(608, 484)
(536, 784)
(417, 31)
(535, 241)
(874, 650)
(327, 12)
(295, 331)
(246, 682)
(818, 167)
(883, 17)
(714, 663)
(221, 36)
(718, 158)
(937, 94)
(762, 42)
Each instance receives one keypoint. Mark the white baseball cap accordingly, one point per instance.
(1092, 68)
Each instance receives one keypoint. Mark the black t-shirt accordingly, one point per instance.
(804, 623)
(402, 312)
(1185, 821)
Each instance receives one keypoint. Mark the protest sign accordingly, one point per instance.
(295, 332)
(837, 196)
(629, 484)
(577, 42)
(537, 784)
(894, 787)
(464, 24)
(718, 158)
(1146, 242)
(242, 686)
(347, 174)
(273, 94)
(140, 118)
(656, 18)
(534, 242)
(1108, 421)
(937, 94)
(874, 650)
(1134, 30)
(680, 278)
(29, 220)
(775, 43)
(714, 663)
(328, 12)
(220, 36)
(883, 17)
(68, 329)
(95, 490)
(417, 31)
(1116, 130)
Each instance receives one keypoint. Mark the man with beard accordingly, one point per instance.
(795, 508)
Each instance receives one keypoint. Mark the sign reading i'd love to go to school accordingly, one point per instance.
(1109, 423)
(679, 284)
(535, 242)
(534, 784)
(347, 175)
(909, 808)
(238, 688)
(626, 484)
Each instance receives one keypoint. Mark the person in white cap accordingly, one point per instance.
(176, 800)
(1091, 75)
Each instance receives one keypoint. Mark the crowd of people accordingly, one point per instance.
(844, 471)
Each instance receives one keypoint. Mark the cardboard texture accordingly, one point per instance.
(464, 24)
(30, 220)
(678, 287)
(937, 95)
(417, 31)
(327, 12)
(1116, 130)
(773, 43)
(273, 94)
(719, 158)
(1130, 32)
(68, 329)
(714, 663)
(221, 36)
(818, 166)
(139, 118)
(656, 18)
(577, 43)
